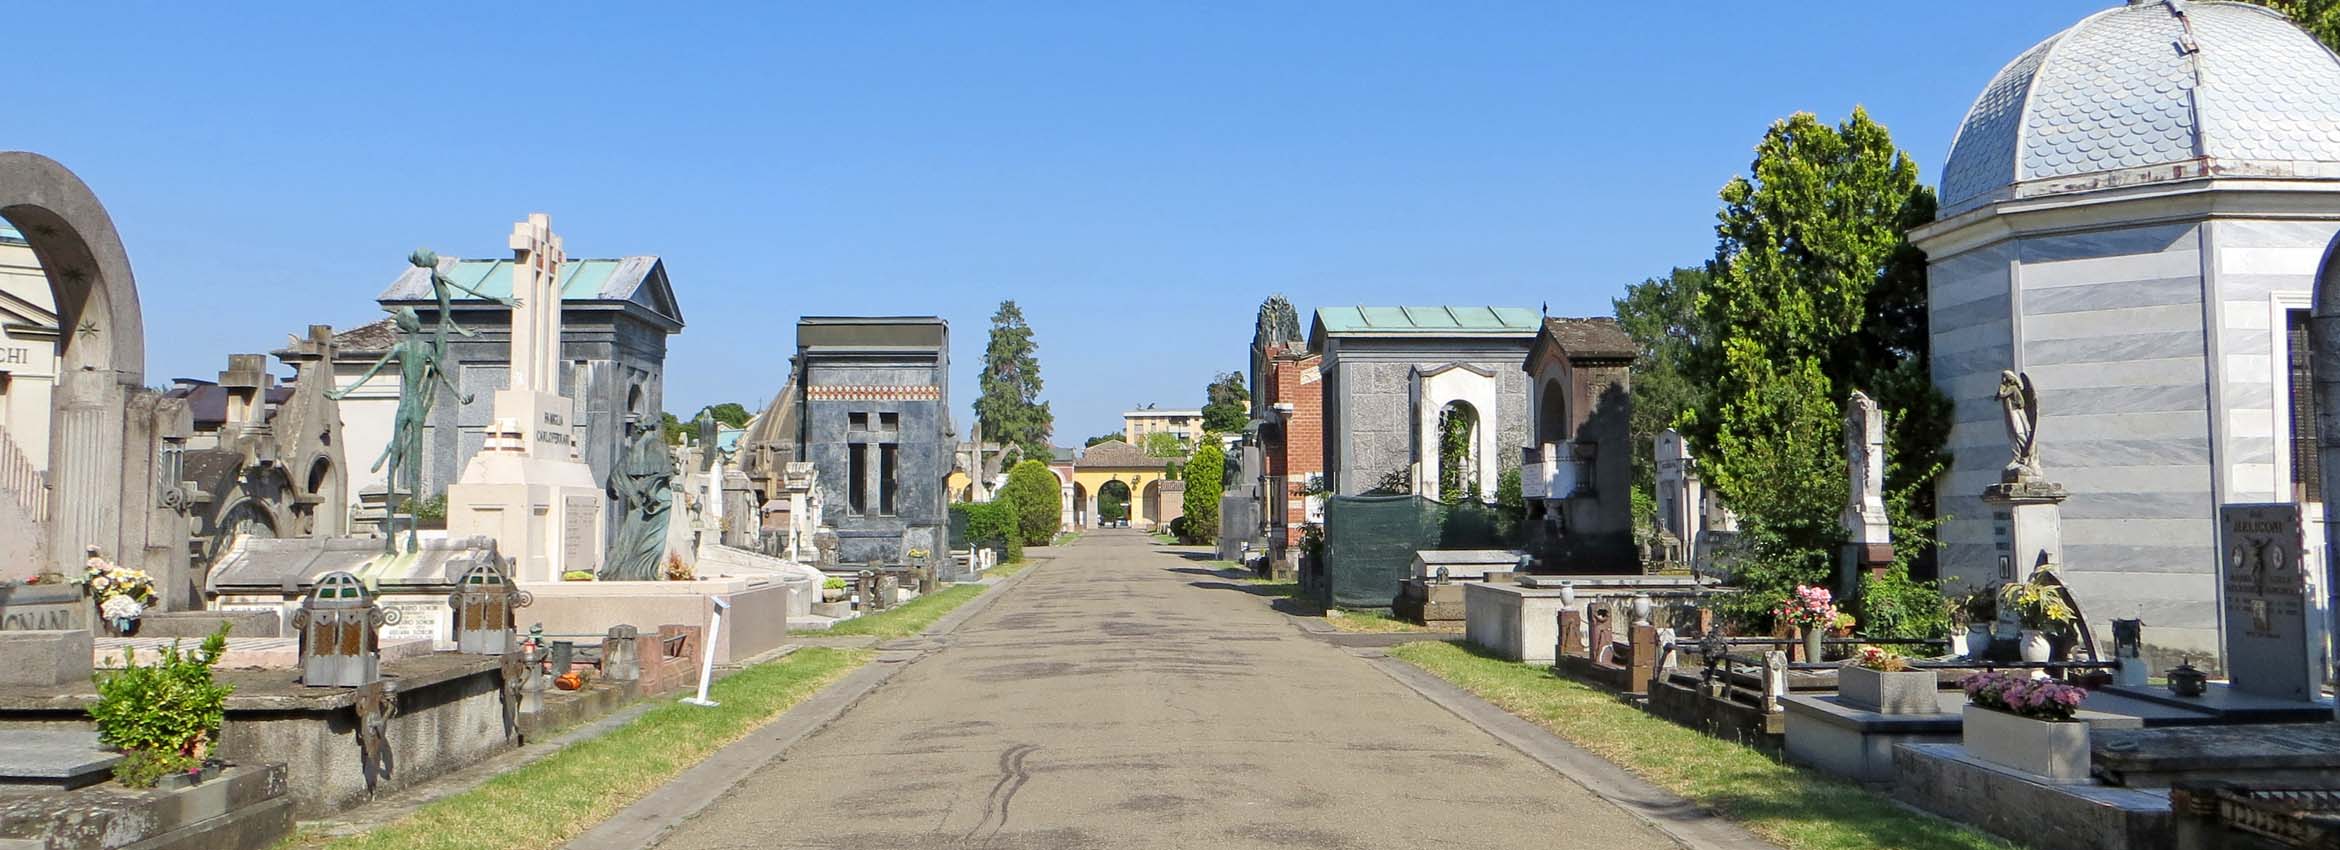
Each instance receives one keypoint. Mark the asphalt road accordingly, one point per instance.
(1124, 696)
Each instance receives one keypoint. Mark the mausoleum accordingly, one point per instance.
(1394, 376)
(2135, 212)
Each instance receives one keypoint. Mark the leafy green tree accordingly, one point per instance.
(1113, 503)
(1164, 444)
(1107, 437)
(1031, 492)
(2321, 18)
(673, 429)
(731, 413)
(1009, 408)
(1814, 292)
(1205, 481)
(1661, 315)
(1227, 404)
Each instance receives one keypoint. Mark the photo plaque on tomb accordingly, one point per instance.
(2265, 609)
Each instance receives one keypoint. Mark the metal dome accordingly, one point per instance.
(2146, 92)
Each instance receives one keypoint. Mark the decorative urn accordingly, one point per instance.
(2185, 681)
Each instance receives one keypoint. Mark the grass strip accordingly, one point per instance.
(910, 617)
(1376, 622)
(1005, 570)
(554, 799)
(1794, 808)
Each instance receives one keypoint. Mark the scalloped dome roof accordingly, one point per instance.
(2208, 87)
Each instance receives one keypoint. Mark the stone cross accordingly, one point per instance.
(1867, 532)
(536, 321)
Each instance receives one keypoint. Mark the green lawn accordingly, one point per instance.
(1359, 620)
(1794, 808)
(910, 617)
(546, 803)
(1005, 570)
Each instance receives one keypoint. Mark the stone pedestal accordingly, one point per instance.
(2027, 532)
(527, 490)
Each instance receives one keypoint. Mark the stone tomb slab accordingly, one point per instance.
(2287, 754)
(2222, 703)
(243, 653)
(54, 759)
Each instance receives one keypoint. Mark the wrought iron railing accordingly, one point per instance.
(24, 481)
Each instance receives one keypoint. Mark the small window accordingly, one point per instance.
(886, 484)
(857, 422)
(889, 421)
(857, 478)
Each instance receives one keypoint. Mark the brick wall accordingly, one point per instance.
(1293, 379)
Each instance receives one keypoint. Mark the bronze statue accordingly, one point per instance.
(428, 260)
(2019, 402)
(643, 485)
(421, 370)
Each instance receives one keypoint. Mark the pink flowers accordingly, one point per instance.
(1808, 608)
(2019, 694)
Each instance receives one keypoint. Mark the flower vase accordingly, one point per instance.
(2035, 646)
(122, 626)
(1958, 644)
(1812, 648)
(1978, 640)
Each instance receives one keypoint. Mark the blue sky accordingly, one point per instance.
(1136, 176)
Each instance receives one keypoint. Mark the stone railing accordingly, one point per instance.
(26, 483)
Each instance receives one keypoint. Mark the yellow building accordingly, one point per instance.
(1154, 498)
(1186, 425)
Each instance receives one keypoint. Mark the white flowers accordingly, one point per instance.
(121, 608)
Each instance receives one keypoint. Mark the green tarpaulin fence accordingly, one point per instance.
(1370, 541)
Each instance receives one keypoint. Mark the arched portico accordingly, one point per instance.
(101, 363)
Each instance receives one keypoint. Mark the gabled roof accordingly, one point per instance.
(1427, 322)
(1585, 340)
(637, 281)
(372, 338)
(1117, 454)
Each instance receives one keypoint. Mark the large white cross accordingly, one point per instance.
(536, 322)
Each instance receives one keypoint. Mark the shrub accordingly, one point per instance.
(1893, 605)
(1205, 476)
(162, 717)
(992, 523)
(577, 575)
(1033, 497)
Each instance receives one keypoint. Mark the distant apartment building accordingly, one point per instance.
(1186, 425)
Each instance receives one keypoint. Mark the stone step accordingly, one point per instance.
(56, 759)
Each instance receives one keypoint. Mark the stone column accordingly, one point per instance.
(1868, 547)
(85, 468)
(2028, 529)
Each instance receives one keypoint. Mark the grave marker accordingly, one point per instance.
(2262, 572)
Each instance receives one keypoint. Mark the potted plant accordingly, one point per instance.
(164, 718)
(2026, 724)
(1881, 680)
(2040, 607)
(1812, 611)
(833, 590)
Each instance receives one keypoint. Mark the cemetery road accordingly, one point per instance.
(1125, 696)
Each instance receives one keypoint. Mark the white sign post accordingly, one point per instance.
(707, 651)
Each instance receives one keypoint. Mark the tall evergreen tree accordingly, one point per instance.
(1661, 314)
(1814, 292)
(1009, 408)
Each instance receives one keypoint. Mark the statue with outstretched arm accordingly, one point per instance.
(442, 287)
(421, 371)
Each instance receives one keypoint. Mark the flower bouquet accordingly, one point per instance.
(122, 593)
(1811, 610)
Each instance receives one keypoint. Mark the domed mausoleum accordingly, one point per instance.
(2135, 212)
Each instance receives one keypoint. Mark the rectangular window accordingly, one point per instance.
(857, 422)
(889, 421)
(2307, 473)
(857, 477)
(886, 483)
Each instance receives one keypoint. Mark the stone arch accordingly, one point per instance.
(101, 356)
(1128, 500)
(1552, 413)
(1150, 498)
(1457, 468)
(1084, 510)
(325, 482)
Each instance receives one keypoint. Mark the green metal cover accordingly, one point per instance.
(581, 280)
(1428, 320)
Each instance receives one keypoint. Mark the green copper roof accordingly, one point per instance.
(580, 279)
(1431, 321)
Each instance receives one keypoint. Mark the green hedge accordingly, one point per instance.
(989, 524)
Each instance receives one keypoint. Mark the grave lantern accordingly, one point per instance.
(340, 641)
(483, 601)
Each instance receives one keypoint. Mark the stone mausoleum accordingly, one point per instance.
(1392, 374)
(615, 317)
(2135, 212)
(871, 412)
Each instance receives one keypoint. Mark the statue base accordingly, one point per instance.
(527, 490)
